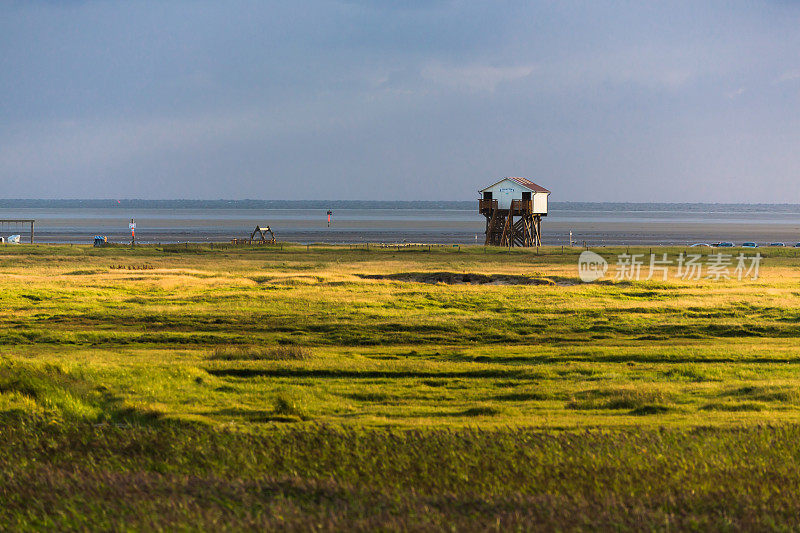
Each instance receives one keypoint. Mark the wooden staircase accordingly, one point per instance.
(503, 230)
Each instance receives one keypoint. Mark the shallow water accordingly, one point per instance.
(376, 222)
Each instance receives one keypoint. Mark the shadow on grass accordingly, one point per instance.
(614, 358)
(457, 278)
(637, 401)
(361, 374)
(256, 415)
(765, 393)
(733, 406)
(524, 397)
(482, 410)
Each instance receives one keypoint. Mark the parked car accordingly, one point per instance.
(797, 245)
(695, 245)
(725, 245)
(777, 244)
(749, 245)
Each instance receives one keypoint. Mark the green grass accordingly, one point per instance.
(254, 353)
(338, 388)
(174, 476)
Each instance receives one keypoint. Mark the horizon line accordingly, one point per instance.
(281, 200)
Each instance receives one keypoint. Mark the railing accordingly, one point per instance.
(517, 206)
(486, 205)
(522, 205)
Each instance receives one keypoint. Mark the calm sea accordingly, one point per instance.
(77, 221)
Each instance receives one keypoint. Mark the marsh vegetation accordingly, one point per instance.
(393, 389)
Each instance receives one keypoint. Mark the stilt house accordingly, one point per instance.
(513, 208)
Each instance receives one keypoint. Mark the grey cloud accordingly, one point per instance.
(395, 100)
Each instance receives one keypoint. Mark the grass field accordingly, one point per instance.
(335, 388)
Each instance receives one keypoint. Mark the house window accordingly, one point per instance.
(526, 195)
(487, 195)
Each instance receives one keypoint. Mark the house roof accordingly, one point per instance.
(525, 182)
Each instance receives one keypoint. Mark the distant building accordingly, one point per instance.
(510, 197)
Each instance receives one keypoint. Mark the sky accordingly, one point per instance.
(400, 100)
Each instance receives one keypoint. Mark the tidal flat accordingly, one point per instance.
(343, 387)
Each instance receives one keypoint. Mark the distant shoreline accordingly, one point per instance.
(95, 203)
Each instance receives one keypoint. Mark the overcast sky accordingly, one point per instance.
(399, 100)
